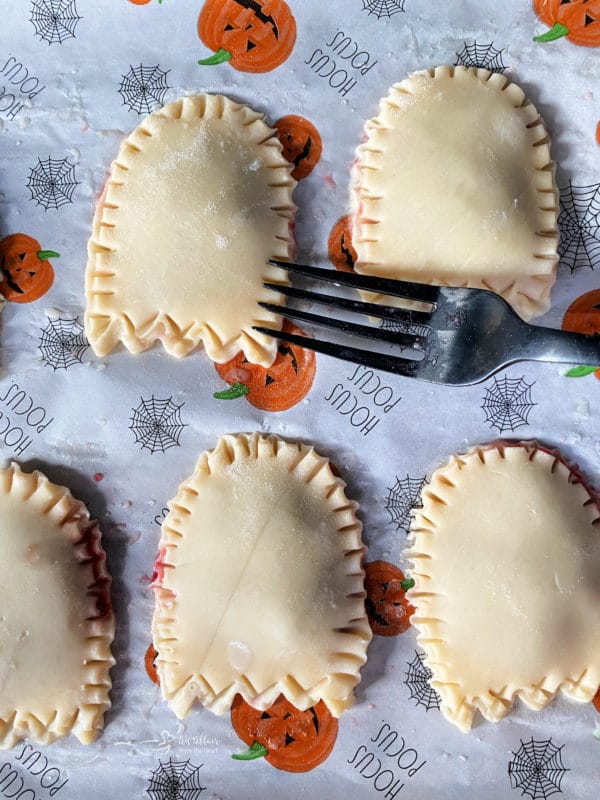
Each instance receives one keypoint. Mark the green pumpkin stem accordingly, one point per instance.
(256, 750)
(557, 32)
(220, 57)
(580, 372)
(44, 255)
(235, 391)
(407, 584)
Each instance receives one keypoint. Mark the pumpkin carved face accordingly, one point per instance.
(388, 610)
(26, 273)
(289, 739)
(578, 20)
(340, 248)
(278, 387)
(583, 316)
(301, 144)
(150, 664)
(253, 35)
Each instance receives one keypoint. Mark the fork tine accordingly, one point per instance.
(403, 339)
(395, 364)
(410, 291)
(403, 316)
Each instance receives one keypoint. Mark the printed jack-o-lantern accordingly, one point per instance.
(289, 739)
(578, 20)
(252, 35)
(150, 664)
(301, 144)
(583, 316)
(596, 701)
(25, 272)
(340, 248)
(387, 608)
(278, 387)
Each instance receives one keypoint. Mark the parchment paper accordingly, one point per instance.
(81, 435)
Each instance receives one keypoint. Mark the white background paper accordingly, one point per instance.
(80, 116)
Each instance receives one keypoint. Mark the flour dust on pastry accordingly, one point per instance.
(455, 185)
(259, 582)
(506, 563)
(56, 620)
(198, 199)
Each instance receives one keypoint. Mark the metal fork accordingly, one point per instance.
(465, 336)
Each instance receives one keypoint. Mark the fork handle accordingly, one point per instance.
(563, 347)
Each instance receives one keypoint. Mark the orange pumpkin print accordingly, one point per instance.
(596, 701)
(278, 387)
(583, 316)
(150, 664)
(578, 20)
(252, 35)
(387, 608)
(289, 739)
(301, 142)
(598, 133)
(25, 272)
(340, 248)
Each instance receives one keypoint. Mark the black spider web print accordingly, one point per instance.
(537, 769)
(507, 403)
(52, 182)
(417, 679)
(414, 329)
(175, 780)
(405, 327)
(156, 424)
(144, 88)
(485, 56)
(54, 20)
(402, 498)
(579, 224)
(63, 343)
(383, 8)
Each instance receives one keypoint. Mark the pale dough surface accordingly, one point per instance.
(260, 588)
(54, 651)
(198, 199)
(506, 558)
(455, 185)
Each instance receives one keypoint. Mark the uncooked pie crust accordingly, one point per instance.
(56, 621)
(198, 199)
(455, 185)
(506, 559)
(259, 581)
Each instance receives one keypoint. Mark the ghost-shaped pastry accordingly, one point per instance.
(198, 199)
(56, 619)
(454, 185)
(506, 563)
(259, 582)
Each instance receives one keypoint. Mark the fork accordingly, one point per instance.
(465, 336)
